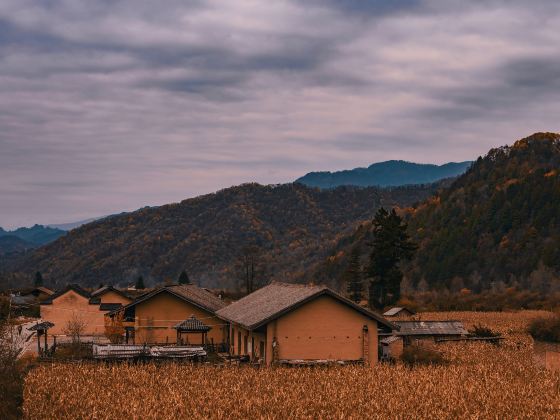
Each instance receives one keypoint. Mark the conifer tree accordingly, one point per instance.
(353, 276)
(38, 279)
(184, 278)
(140, 283)
(391, 245)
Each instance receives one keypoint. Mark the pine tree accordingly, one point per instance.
(353, 276)
(140, 283)
(38, 279)
(391, 245)
(184, 278)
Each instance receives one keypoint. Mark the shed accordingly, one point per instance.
(399, 312)
(391, 347)
(422, 330)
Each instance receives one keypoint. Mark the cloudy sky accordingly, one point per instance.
(109, 105)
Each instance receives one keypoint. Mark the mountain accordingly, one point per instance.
(291, 226)
(11, 244)
(385, 174)
(37, 235)
(74, 225)
(496, 226)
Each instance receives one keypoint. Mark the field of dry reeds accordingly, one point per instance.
(480, 381)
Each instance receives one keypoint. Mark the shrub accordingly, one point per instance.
(546, 329)
(418, 355)
(481, 331)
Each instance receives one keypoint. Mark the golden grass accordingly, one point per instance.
(481, 381)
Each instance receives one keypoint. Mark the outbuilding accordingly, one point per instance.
(293, 323)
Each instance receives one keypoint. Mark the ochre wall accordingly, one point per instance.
(322, 329)
(113, 297)
(253, 339)
(70, 305)
(163, 311)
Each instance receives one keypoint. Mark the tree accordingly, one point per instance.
(353, 276)
(391, 245)
(75, 328)
(250, 268)
(184, 278)
(140, 283)
(38, 279)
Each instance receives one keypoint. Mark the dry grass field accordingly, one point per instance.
(480, 381)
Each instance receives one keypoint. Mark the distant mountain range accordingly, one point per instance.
(385, 174)
(74, 225)
(36, 235)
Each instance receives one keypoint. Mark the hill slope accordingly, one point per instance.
(11, 244)
(497, 222)
(292, 224)
(496, 225)
(385, 174)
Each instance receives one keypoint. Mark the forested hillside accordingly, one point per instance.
(496, 226)
(287, 227)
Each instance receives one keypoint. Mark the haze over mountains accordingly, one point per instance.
(22, 239)
(385, 174)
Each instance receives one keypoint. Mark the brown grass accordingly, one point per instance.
(480, 381)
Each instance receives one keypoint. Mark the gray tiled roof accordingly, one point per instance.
(431, 328)
(396, 310)
(192, 324)
(188, 292)
(274, 300)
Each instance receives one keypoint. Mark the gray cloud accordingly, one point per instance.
(109, 106)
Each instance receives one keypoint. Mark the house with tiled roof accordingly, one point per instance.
(174, 314)
(74, 303)
(293, 323)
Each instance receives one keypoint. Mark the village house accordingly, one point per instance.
(399, 313)
(291, 323)
(75, 304)
(175, 314)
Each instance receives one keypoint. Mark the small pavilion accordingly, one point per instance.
(189, 326)
(41, 328)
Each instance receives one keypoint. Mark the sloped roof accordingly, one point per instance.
(192, 324)
(106, 289)
(187, 292)
(109, 306)
(431, 328)
(74, 287)
(396, 311)
(390, 339)
(41, 326)
(276, 299)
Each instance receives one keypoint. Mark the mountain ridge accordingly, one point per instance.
(389, 173)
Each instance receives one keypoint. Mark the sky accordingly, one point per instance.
(109, 106)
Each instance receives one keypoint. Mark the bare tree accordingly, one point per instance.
(75, 328)
(11, 378)
(250, 268)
